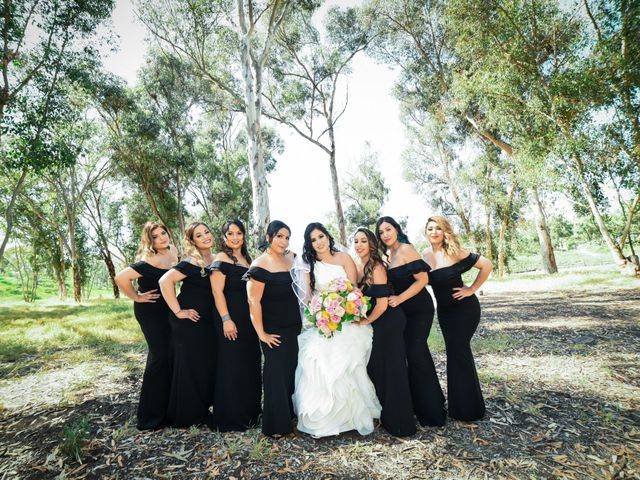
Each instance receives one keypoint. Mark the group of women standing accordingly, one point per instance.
(204, 362)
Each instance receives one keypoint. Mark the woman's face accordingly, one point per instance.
(361, 245)
(435, 234)
(159, 239)
(280, 241)
(319, 242)
(388, 233)
(202, 237)
(234, 238)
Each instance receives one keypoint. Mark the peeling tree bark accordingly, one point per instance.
(544, 238)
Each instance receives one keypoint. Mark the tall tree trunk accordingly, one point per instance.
(446, 171)
(504, 226)
(487, 232)
(62, 286)
(614, 248)
(8, 214)
(180, 210)
(544, 238)
(75, 261)
(106, 256)
(253, 111)
(627, 228)
(336, 188)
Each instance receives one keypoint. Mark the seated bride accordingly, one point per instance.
(333, 393)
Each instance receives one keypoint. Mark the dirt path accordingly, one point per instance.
(560, 372)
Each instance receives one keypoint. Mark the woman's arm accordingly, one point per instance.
(379, 276)
(218, 279)
(421, 279)
(168, 288)
(255, 290)
(485, 266)
(125, 279)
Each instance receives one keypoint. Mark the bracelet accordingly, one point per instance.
(225, 317)
(176, 313)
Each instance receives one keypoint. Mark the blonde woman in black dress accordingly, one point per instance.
(192, 329)
(458, 314)
(155, 257)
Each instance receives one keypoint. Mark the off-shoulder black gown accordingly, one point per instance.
(154, 322)
(387, 366)
(459, 320)
(238, 389)
(281, 316)
(428, 400)
(194, 351)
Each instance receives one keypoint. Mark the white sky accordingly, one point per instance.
(300, 187)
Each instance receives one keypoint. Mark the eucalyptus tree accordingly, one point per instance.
(44, 43)
(530, 59)
(229, 44)
(309, 76)
(366, 193)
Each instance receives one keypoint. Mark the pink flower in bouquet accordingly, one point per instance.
(316, 303)
(340, 285)
(336, 319)
(340, 311)
(322, 321)
(333, 306)
(325, 329)
(353, 296)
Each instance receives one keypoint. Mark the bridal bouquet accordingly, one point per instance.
(341, 302)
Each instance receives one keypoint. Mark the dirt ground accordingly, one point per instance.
(560, 372)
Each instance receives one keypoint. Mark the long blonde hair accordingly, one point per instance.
(145, 248)
(451, 241)
(189, 247)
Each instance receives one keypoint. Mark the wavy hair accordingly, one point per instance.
(243, 249)
(402, 237)
(145, 248)
(309, 254)
(272, 229)
(451, 241)
(374, 256)
(189, 246)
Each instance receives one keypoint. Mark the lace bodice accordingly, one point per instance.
(325, 272)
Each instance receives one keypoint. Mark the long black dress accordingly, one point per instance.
(387, 366)
(428, 400)
(194, 351)
(281, 316)
(238, 387)
(459, 320)
(154, 322)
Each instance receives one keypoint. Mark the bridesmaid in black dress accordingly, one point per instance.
(408, 276)
(155, 257)
(387, 366)
(458, 314)
(238, 387)
(276, 319)
(192, 329)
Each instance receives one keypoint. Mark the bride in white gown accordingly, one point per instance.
(333, 392)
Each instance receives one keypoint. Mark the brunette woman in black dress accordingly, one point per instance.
(192, 329)
(387, 366)
(276, 319)
(155, 257)
(408, 276)
(458, 314)
(238, 380)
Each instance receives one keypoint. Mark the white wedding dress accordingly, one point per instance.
(333, 392)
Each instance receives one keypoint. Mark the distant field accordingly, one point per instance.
(581, 256)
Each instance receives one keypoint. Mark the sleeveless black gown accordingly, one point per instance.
(154, 323)
(387, 366)
(280, 315)
(428, 400)
(459, 320)
(194, 351)
(238, 389)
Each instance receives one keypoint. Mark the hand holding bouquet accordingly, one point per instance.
(329, 309)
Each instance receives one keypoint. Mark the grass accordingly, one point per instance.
(39, 336)
(11, 290)
(74, 438)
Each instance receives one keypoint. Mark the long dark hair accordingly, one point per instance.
(402, 237)
(243, 249)
(272, 229)
(309, 254)
(374, 256)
